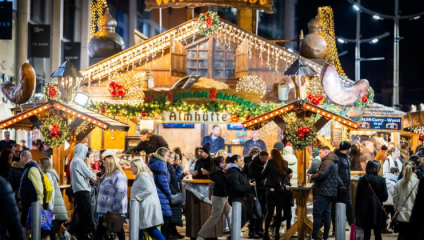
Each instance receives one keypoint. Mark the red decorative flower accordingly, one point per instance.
(52, 91)
(421, 137)
(103, 109)
(248, 117)
(306, 131)
(112, 84)
(121, 93)
(209, 21)
(315, 99)
(116, 89)
(144, 114)
(301, 136)
(114, 93)
(300, 130)
(55, 131)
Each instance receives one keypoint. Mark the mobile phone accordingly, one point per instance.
(252, 180)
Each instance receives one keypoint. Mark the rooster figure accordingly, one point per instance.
(25, 90)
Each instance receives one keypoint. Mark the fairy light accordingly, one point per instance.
(96, 12)
(251, 83)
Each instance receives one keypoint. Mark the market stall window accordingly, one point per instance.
(223, 62)
(197, 59)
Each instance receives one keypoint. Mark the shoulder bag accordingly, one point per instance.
(394, 223)
(113, 222)
(285, 185)
(257, 209)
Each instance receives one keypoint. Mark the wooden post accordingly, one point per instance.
(245, 19)
(59, 162)
(301, 166)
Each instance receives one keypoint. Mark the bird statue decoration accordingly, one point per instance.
(23, 92)
(337, 92)
(413, 108)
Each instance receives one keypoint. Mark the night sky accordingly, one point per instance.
(379, 73)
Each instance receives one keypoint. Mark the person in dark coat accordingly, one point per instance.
(325, 189)
(9, 214)
(276, 169)
(176, 219)
(247, 160)
(7, 143)
(368, 212)
(6, 157)
(237, 185)
(149, 143)
(255, 169)
(216, 142)
(416, 222)
(157, 165)
(14, 178)
(344, 173)
(203, 164)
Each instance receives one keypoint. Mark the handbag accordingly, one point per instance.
(285, 184)
(257, 209)
(46, 219)
(176, 198)
(394, 222)
(113, 222)
(356, 233)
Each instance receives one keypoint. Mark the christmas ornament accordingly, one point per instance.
(365, 100)
(51, 91)
(208, 23)
(116, 89)
(421, 137)
(103, 109)
(55, 131)
(317, 100)
(301, 133)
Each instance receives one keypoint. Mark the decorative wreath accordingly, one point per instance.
(208, 23)
(366, 100)
(55, 131)
(52, 92)
(301, 133)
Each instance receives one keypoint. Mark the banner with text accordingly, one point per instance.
(39, 43)
(382, 123)
(6, 13)
(196, 117)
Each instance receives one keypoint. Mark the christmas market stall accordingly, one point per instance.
(413, 125)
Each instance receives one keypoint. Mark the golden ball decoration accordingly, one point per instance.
(251, 83)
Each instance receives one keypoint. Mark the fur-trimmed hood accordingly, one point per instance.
(17, 165)
(158, 156)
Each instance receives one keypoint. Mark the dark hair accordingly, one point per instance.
(216, 161)
(196, 152)
(4, 160)
(282, 164)
(391, 150)
(263, 154)
(23, 141)
(404, 145)
(101, 152)
(393, 170)
(227, 160)
(373, 167)
(383, 147)
(234, 158)
(178, 152)
(254, 150)
(325, 148)
(35, 143)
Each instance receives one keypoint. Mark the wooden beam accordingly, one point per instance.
(35, 121)
(245, 19)
(321, 122)
(84, 133)
(75, 124)
(280, 122)
(59, 162)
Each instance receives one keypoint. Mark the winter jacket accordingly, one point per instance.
(420, 167)
(355, 163)
(235, 183)
(161, 176)
(144, 190)
(28, 192)
(344, 168)
(155, 142)
(364, 158)
(216, 145)
(112, 195)
(247, 160)
(255, 172)
(400, 203)
(327, 178)
(314, 166)
(15, 175)
(218, 178)
(56, 204)
(404, 156)
(391, 180)
(4, 170)
(417, 215)
(179, 172)
(202, 163)
(368, 212)
(272, 178)
(175, 188)
(292, 161)
(391, 163)
(7, 145)
(80, 173)
(9, 214)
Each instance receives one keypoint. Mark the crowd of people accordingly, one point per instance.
(388, 195)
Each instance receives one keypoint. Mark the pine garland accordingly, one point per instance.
(292, 133)
(46, 130)
(208, 23)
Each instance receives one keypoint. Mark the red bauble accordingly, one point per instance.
(103, 110)
(364, 99)
(144, 114)
(310, 96)
(119, 86)
(306, 131)
(114, 93)
(148, 99)
(248, 117)
(300, 130)
(121, 93)
(320, 97)
(112, 84)
(421, 137)
(52, 91)
(301, 136)
(315, 101)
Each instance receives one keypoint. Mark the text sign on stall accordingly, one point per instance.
(195, 117)
(39, 44)
(6, 20)
(381, 123)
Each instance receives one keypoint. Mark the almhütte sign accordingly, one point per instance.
(265, 5)
(196, 117)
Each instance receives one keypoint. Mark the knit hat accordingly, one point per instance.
(345, 145)
(279, 146)
(206, 148)
(315, 152)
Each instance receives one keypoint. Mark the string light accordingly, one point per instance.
(96, 12)
(251, 83)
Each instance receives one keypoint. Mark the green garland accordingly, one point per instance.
(208, 23)
(293, 134)
(360, 104)
(46, 129)
(152, 108)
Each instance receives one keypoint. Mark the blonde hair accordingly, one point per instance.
(408, 169)
(141, 167)
(112, 166)
(220, 153)
(45, 164)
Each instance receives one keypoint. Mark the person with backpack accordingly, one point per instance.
(392, 160)
(31, 188)
(276, 180)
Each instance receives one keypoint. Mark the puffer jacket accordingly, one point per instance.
(9, 214)
(400, 203)
(292, 161)
(218, 179)
(58, 205)
(161, 176)
(235, 183)
(391, 180)
(327, 178)
(15, 176)
(344, 168)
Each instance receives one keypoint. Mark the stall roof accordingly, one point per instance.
(27, 119)
(380, 109)
(298, 106)
(132, 57)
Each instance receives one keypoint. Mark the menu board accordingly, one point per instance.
(178, 125)
(381, 123)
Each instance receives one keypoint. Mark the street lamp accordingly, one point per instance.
(375, 40)
(356, 7)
